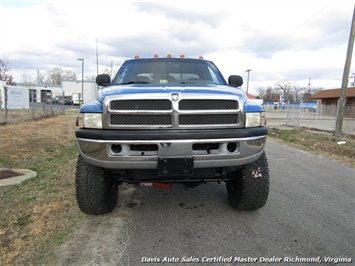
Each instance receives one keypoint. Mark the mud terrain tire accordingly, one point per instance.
(248, 189)
(96, 191)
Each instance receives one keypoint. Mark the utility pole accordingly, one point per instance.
(82, 80)
(97, 60)
(344, 84)
(309, 85)
(248, 70)
(97, 64)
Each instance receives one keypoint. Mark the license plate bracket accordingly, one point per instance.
(175, 166)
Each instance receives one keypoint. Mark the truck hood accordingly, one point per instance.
(191, 89)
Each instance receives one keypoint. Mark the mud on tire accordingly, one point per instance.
(248, 189)
(96, 191)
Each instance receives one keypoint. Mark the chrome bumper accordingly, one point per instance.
(105, 154)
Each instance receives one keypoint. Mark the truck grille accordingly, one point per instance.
(166, 113)
(141, 120)
(208, 104)
(141, 105)
(208, 119)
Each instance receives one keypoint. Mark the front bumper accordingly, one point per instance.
(117, 149)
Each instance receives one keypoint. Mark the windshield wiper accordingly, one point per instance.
(187, 82)
(134, 82)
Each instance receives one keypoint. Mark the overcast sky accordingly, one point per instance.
(279, 39)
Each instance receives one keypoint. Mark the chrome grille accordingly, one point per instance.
(202, 104)
(145, 112)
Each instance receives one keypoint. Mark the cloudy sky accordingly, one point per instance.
(276, 39)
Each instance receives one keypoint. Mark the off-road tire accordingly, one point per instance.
(248, 189)
(96, 190)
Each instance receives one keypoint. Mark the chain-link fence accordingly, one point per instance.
(317, 116)
(36, 111)
(18, 104)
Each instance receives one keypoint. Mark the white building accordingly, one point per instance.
(75, 86)
(43, 92)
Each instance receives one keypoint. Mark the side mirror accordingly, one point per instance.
(103, 80)
(235, 80)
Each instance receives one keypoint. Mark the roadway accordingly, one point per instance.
(310, 214)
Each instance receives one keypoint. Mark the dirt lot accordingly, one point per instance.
(41, 214)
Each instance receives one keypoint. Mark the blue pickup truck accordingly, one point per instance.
(170, 120)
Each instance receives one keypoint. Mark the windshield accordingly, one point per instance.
(164, 71)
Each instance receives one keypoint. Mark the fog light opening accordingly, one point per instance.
(116, 148)
(232, 146)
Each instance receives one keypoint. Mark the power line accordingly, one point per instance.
(292, 32)
(260, 33)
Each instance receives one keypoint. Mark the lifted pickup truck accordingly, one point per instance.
(170, 120)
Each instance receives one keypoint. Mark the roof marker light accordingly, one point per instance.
(182, 56)
(168, 56)
(156, 56)
(200, 57)
(136, 56)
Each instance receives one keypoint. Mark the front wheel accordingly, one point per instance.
(248, 189)
(96, 190)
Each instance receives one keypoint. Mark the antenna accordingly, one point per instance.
(97, 60)
(248, 70)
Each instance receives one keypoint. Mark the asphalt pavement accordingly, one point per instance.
(309, 216)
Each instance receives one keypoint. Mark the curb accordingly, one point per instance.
(8, 183)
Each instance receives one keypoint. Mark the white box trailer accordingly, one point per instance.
(76, 98)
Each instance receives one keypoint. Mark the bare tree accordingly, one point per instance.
(5, 73)
(39, 77)
(90, 78)
(69, 75)
(54, 76)
(307, 95)
(285, 87)
(111, 70)
(260, 93)
(297, 92)
(26, 78)
(271, 95)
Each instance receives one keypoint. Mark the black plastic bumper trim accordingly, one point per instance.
(164, 134)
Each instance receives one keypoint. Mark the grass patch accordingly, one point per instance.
(340, 148)
(40, 214)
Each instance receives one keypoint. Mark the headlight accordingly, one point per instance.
(90, 120)
(255, 119)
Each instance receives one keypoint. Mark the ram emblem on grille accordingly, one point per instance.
(175, 97)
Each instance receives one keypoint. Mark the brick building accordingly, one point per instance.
(329, 101)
